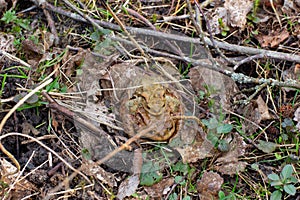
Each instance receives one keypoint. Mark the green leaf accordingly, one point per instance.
(266, 147)
(178, 179)
(293, 179)
(224, 33)
(274, 177)
(211, 123)
(86, 154)
(173, 196)
(187, 198)
(212, 138)
(181, 167)
(255, 167)
(290, 189)
(223, 146)
(150, 174)
(224, 128)
(276, 195)
(150, 178)
(221, 195)
(286, 172)
(276, 183)
(9, 16)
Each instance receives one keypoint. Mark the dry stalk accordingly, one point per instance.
(22, 101)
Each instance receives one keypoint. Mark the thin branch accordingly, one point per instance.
(48, 149)
(168, 36)
(14, 58)
(11, 111)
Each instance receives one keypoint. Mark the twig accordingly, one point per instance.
(238, 77)
(44, 137)
(71, 115)
(101, 161)
(18, 176)
(52, 26)
(148, 23)
(124, 29)
(248, 59)
(276, 14)
(48, 149)
(2, 148)
(14, 58)
(210, 35)
(168, 36)
(86, 17)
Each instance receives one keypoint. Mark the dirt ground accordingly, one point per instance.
(149, 99)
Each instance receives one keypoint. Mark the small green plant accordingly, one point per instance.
(223, 196)
(225, 29)
(56, 86)
(101, 44)
(150, 173)
(283, 183)
(253, 15)
(216, 128)
(10, 17)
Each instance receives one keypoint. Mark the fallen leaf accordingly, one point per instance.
(297, 118)
(22, 187)
(237, 12)
(220, 87)
(128, 187)
(3, 5)
(90, 168)
(266, 147)
(251, 113)
(27, 128)
(229, 162)
(31, 100)
(289, 6)
(273, 39)
(7, 42)
(209, 185)
(263, 109)
(201, 148)
(160, 188)
(214, 18)
(232, 168)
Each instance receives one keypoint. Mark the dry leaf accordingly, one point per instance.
(289, 6)
(219, 13)
(90, 168)
(297, 118)
(201, 148)
(3, 6)
(128, 187)
(237, 12)
(160, 188)
(21, 189)
(27, 128)
(263, 109)
(209, 185)
(7, 43)
(251, 113)
(228, 163)
(273, 39)
(220, 87)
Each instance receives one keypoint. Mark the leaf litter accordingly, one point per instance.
(191, 142)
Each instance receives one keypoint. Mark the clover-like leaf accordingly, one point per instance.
(276, 195)
(266, 147)
(286, 172)
(274, 177)
(290, 189)
(224, 128)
